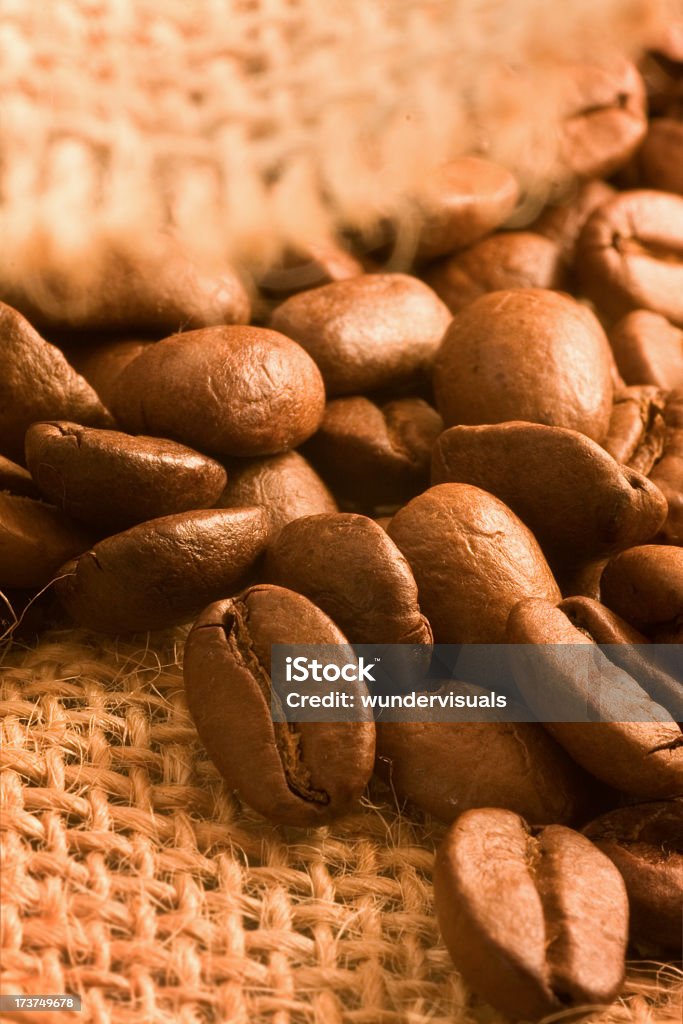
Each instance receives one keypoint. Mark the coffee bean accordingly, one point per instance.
(564, 221)
(637, 430)
(374, 331)
(646, 844)
(509, 259)
(577, 501)
(473, 560)
(375, 456)
(348, 566)
(162, 572)
(630, 255)
(307, 267)
(536, 920)
(112, 480)
(295, 774)
(667, 473)
(224, 390)
(35, 540)
(528, 355)
(285, 486)
(37, 383)
(16, 480)
(648, 349)
(102, 365)
(644, 585)
(660, 158)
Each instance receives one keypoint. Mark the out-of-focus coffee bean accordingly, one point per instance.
(348, 566)
(163, 572)
(224, 390)
(16, 479)
(667, 473)
(509, 259)
(644, 585)
(285, 486)
(563, 222)
(637, 430)
(536, 920)
(37, 383)
(660, 159)
(641, 754)
(309, 267)
(473, 560)
(295, 774)
(648, 349)
(461, 202)
(375, 456)
(528, 355)
(374, 331)
(102, 365)
(577, 501)
(112, 480)
(645, 842)
(35, 540)
(630, 255)
(606, 121)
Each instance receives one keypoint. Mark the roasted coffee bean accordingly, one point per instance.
(636, 748)
(309, 267)
(348, 566)
(528, 355)
(162, 572)
(375, 456)
(461, 202)
(646, 844)
(295, 774)
(648, 350)
(630, 255)
(473, 560)
(577, 501)
(102, 365)
(285, 486)
(667, 473)
(637, 430)
(35, 540)
(536, 920)
(564, 221)
(660, 158)
(16, 479)
(112, 480)
(509, 259)
(374, 331)
(37, 383)
(224, 390)
(644, 585)
(607, 120)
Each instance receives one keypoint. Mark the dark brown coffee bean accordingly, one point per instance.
(162, 572)
(577, 501)
(307, 267)
(648, 350)
(509, 259)
(667, 473)
(643, 754)
(607, 120)
(223, 390)
(528, 355)
(646, 844)
(637, 430)
(630, 255)
(374, 331)
(285, 486)
(461, 202)
(113, 480)
(660, 158)
(644, 585)
(37, 383)
(375, 456)
(35, 540)
(536, 920)
(473, 560)
(102, 365)
(564, 222)
(295, 774)
(348, 566)
(16, 480)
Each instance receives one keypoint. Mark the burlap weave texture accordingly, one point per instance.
(132, 877)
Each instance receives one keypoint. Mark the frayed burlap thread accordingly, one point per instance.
(131, 876)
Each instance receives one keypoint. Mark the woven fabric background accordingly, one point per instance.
(131, 876)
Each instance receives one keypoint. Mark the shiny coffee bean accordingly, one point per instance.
(473, 560)
(370, 332)
(637, 429)
(35, 540)
(660, 158)
(16, 480)
(648, 349)
(224, 390)
(112, 480)
(644, 585)
(525, 355)
(163, 572)
(37, 383)
(536, 920)
(294, 774)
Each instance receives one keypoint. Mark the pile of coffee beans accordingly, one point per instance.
(488, 450)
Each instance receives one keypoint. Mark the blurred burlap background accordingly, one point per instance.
(219, 130)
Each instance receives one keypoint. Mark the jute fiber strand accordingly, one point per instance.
(226, 128)
(131, 876)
